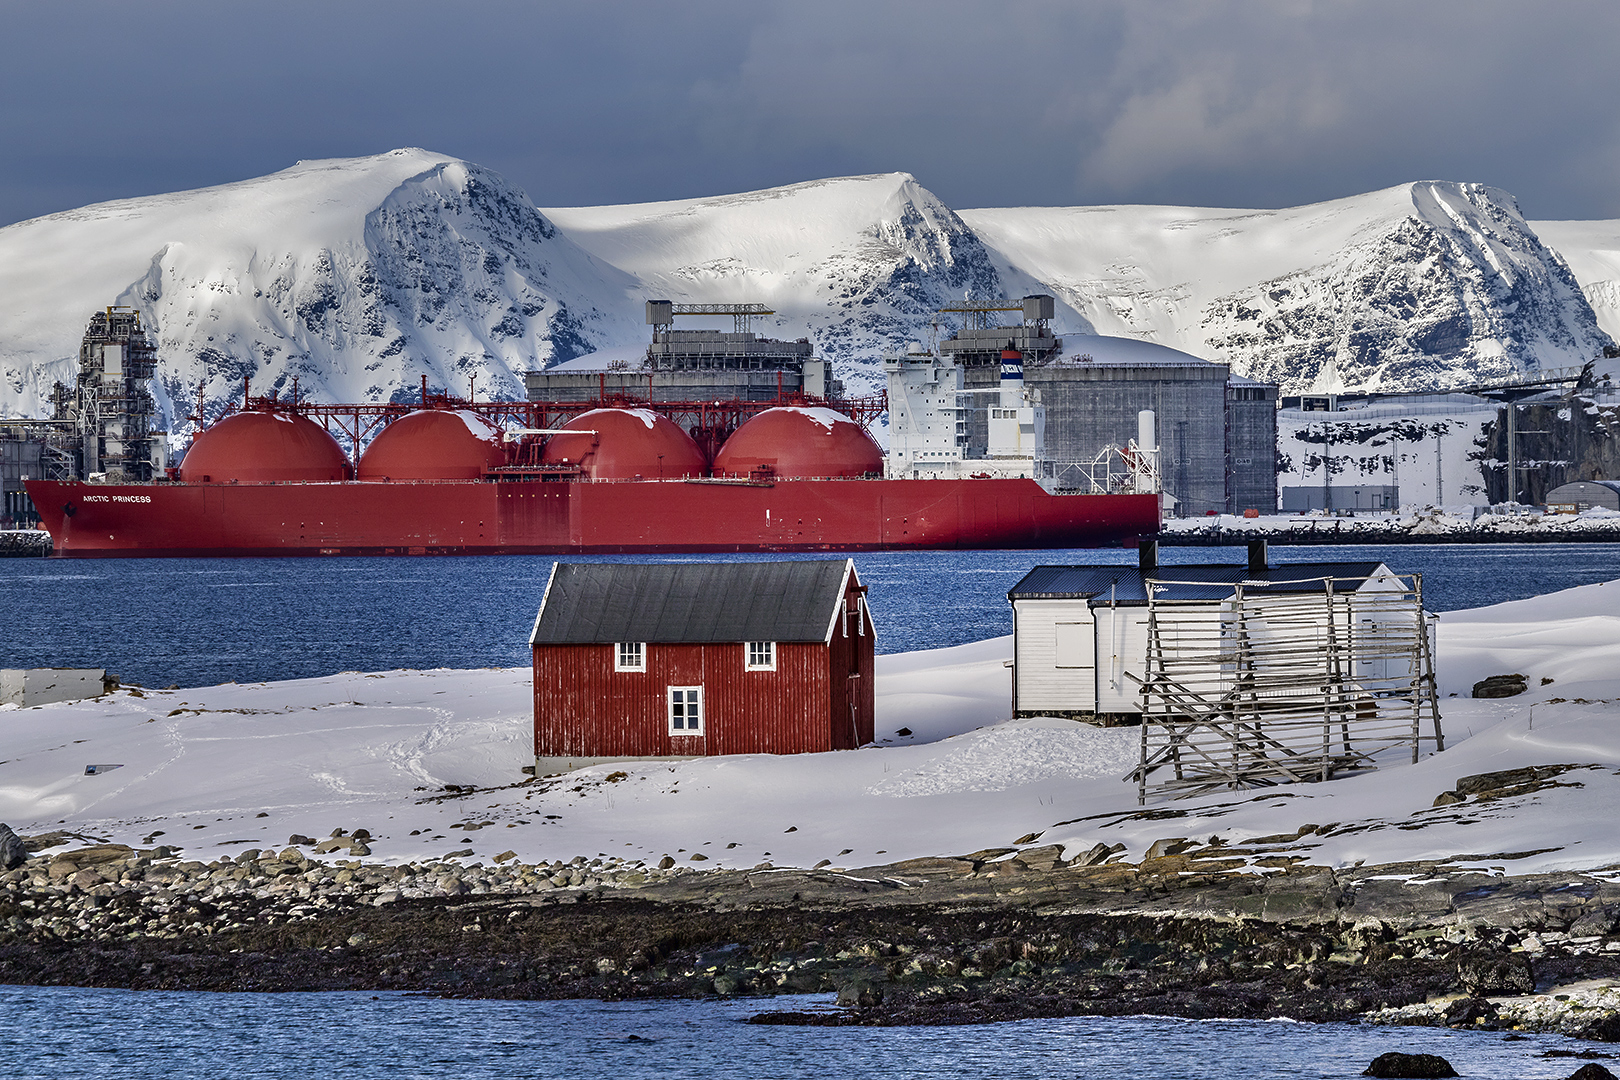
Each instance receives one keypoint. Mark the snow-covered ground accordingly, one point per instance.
(223, 768)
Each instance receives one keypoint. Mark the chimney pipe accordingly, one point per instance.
(1257, 557)
(1147, 556)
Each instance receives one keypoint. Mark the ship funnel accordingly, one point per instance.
(1146, 439)
(1012, 378)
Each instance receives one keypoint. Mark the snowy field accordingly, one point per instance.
(219, 769)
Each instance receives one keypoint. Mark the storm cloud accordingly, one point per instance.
(1256, 103)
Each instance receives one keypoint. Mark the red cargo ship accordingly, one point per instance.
(448, 481)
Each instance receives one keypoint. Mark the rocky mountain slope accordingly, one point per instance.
(857, 264)
(1592, 250)
(357, 276)
(360, 276)
(1422, 285)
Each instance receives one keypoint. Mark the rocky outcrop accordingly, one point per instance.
(1560, 440)
(997, 934)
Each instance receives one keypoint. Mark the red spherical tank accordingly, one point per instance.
(626, 444)
(797, 442)
(253, 447)
(433, 444)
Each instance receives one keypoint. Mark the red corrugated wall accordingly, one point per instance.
(583, 708)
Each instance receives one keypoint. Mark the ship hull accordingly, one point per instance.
(474, 517)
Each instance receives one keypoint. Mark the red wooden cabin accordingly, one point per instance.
(681, 660)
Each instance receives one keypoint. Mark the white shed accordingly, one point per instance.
(1080, 633)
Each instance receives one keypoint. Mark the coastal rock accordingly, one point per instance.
(861, 993)
(12, 851)
(1473, 1012)
(1604, 1030)
(1483, 973)
(1592, 1071)
(1395, 1064)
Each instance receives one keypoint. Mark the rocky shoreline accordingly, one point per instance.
(996, 935)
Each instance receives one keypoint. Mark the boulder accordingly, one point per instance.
(1395, 1064)
(1592, 1071)
(1604, 1030)
(12, 852)
(1484, 973)
(1471, 1012)
(1500, 686)
(861, 993)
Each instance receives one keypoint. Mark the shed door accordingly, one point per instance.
(1073, 644)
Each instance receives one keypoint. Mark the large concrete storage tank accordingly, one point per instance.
(796, 442)
(622, 444)
(433, 444)
(253, 447)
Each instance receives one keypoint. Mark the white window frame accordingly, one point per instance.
(670, 704)
(769, 648)
(636, 662)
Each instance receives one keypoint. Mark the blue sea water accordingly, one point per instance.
(195, 622)
(54, 1032)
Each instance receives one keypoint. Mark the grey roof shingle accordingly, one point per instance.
(1095, 582)
(668, 603)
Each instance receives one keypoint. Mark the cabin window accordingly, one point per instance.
(686, 710)
(761, 656)
(630, 656)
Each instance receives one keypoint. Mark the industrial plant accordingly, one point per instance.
(102, 429)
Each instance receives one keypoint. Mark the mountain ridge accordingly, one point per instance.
(360, 276)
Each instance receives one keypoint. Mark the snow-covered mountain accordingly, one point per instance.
(1422, 285)
(1592, 250)
(858, 264)
(361, 275)
(356, 275)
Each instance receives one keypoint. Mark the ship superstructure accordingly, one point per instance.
(928, 410)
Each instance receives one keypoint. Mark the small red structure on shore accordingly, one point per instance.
(681, 660)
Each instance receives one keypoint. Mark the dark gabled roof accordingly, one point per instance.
(669, 603)
(1123, 584)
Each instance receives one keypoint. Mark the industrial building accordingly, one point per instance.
(23, 454)
(683, 660)
(982, 338)
(103, 425)
(1582, 495)
(112, 407)
(691, 365)
(1303, 498)
(1217, 432)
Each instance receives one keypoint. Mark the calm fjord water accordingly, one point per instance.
(55, 1032)
(196, 622)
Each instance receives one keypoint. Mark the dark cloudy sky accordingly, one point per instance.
(1244, 103)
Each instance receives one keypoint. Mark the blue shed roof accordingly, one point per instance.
(1124, 584)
